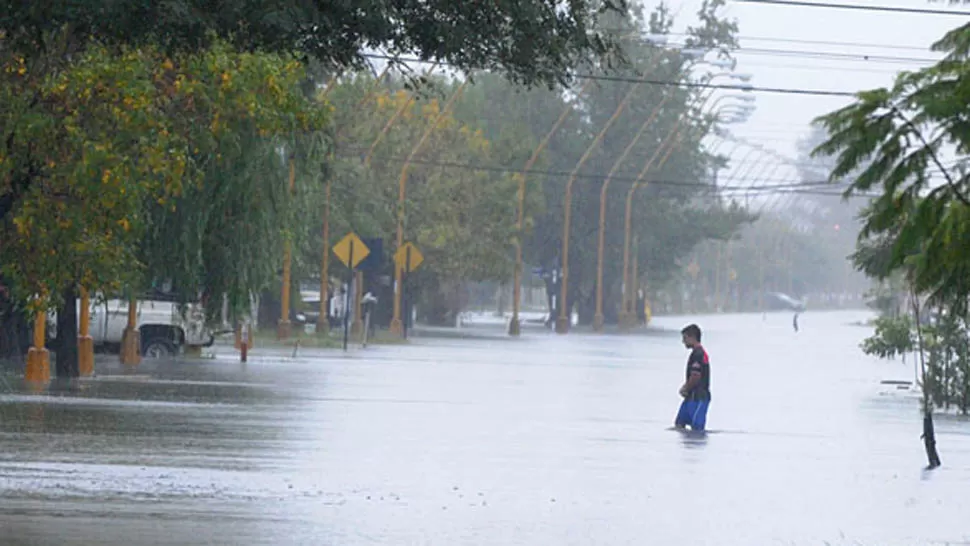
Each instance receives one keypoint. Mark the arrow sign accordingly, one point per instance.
(408, 257)
(351, 250)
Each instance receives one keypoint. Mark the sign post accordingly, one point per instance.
(351, 251)
(406, 281)
(408, 258)
(350, 280)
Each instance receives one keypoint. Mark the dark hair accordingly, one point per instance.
(693, 331)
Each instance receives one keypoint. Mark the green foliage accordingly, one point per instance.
(459, 216)
(224, 235)
(666, 216)
(893, 138)
(946, 354)
(947, 344)
(533, 42)
(103, 153)
(150, 139)
(85, 148)
(894, 336)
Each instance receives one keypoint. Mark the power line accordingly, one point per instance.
(784, 186)
(833, 55)
(695, 85)
(890, 9)
(887, 71)
(699, 85)
(833, 43)
(867, 57)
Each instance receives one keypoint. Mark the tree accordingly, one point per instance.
(86, 148)
(918, 223)
(529, 115)
(902, 132)
(223, 234)
(457, 210)
(533, 41)
(101, 153)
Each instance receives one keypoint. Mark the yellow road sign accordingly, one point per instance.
(401, 257)
(343, 250)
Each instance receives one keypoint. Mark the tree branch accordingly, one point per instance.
(936, 160)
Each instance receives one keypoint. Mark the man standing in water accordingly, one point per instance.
(697, 387)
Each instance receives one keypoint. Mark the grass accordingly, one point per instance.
(267, 338)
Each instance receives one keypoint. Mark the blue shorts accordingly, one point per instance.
(693, 413)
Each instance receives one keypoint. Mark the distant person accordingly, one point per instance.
(337, 304)
(369, 303)
(641, 308)
(697, 387)
(794, 321)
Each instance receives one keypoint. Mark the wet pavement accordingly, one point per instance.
(544, 440)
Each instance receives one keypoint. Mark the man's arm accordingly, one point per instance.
(693, 380)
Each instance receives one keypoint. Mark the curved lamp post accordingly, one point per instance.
(563, 321)
(396, 325)
(598, 318)
(515, 325)
(628, 291)
(323, 326)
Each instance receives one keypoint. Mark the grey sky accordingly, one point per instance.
(780, 120)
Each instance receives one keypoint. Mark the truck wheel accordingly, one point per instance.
(159, 348)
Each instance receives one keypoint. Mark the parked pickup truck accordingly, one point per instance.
(165, 330)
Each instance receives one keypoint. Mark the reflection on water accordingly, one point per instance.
(694, 439)
(547, 440)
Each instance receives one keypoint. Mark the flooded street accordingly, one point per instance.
(544, 440)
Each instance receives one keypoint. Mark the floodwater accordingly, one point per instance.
(545, 440)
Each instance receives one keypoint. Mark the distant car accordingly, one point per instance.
(311, 306)
(788, 302)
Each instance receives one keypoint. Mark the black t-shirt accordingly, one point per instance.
(699, 362)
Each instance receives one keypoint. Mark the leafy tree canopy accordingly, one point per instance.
(532, 41)
(892, 140)
(93, 149)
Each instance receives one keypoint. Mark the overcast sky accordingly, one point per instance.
(795, 47)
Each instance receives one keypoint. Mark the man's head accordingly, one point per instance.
(691, 334)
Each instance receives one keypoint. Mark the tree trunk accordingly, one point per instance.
(500, 312)
(268, 313)
(586, 308)
(66, 364)
(14, 330)
(929, 435)
(552, 299)
(929, 440)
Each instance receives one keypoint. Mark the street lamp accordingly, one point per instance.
(397, 327)
(515, 327)
(563, 321)
(627, 278)
(598, 318)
